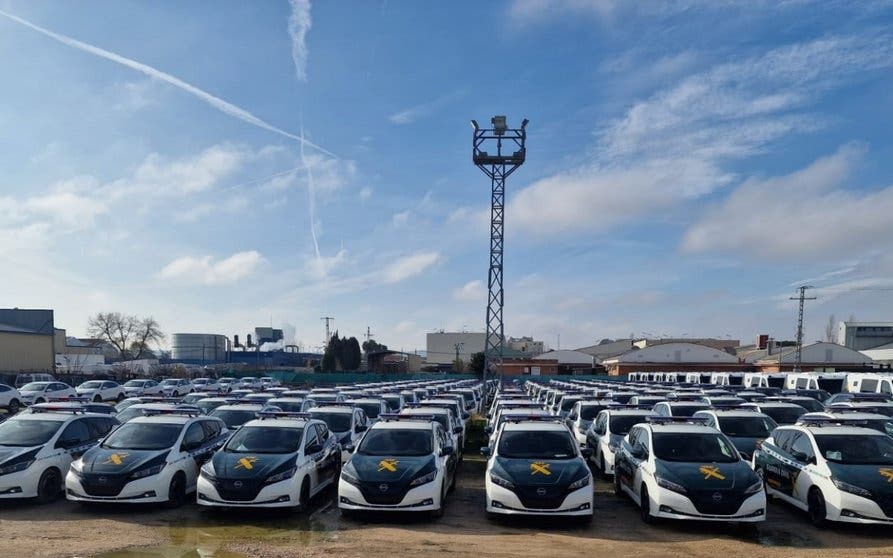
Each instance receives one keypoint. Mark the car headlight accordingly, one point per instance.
(754, 488)
(579, 483)
(279, 477)
(207, 473)
(499, 481)
(77, 466)
(851, 488)
(670, 485)
(349, 475)
(146, 472)
(424, 479)
(16, 467)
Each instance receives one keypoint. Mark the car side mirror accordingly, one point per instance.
(586, 452)
(486, 451)
(446, 451)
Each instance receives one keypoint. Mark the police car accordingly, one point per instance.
(835, 472)
(235, 413)
(291, 404)
(682, 469)
(36, 449)
(743, 426)
(346, 422)
(280, 459)
(607, 432)
(537, 468)
(581, 416)
(403, 463)
(153, 458)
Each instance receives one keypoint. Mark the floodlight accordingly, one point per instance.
(499, 125)
(474, 124)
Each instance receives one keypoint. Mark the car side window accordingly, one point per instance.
(195, 435)
(99, 427)
(310, 438)
(783, 439)
(212, 429)
(801, 447)
(323, 432)
(76, 432)
(601, 423)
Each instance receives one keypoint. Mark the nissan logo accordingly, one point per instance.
(103, 480)
(717, 497)
(383, 487)
(540, 491)
(237, 484)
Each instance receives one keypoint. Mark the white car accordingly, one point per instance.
(153, 458)
(41, 392)
(36, 449)
(141, 388)
(606, 434)
(205, 384)
(444, 417)
(10, 399)
(226, 384)
(833, 471)
(268, 382)
(174, 387)
(681, 469)
(345, 421)
(536, 467)
(248, 382)
(101, 390)
(403, 464)
(277, 460)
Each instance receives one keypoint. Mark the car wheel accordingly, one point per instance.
(13, 406)
(120, 397)
(645, 507)
(818, 513)
(304, 499)
(176, 492)
(39, 400)
(97, 398)
(49, 486)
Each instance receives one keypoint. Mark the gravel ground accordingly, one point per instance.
(67, 529)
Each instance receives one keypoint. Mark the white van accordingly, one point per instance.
(692, 378)
(870, 383)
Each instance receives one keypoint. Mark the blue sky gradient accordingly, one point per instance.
(689, 163)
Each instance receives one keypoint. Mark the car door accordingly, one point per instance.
(192, 446)
(624, 464)
(802, 456)
(331, 455)
(595, 436)
(74, 440)
(312, 451)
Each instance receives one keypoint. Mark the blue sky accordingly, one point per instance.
(689, 163)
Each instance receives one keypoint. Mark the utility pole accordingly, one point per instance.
(368, 333)
(327, 319)
(497, 166)
(458, 346)
(802, 298)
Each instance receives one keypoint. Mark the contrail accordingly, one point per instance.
(298, 24)
(311, 194)
(216, 102)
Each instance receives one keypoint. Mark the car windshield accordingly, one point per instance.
(536, 444)
(747, 427)
(810, 404)
(265, 439)
(589, 412)
(784, 415)
(372, 410)
(288, 406)
(881, 425)
(691, 447)
(208, 405)
(397, 441)
(567, 403)
(393, 401)
(25, 433)
(135, 383)
(125, 405)
(324, 397)
(169, 382)
(337, 422)
(859, 449)
(687, 410)
(130, 413)
(93, 384)
(143, 436)
(33, 386)
(620, 425)
(234, 417)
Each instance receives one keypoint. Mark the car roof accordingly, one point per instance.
(836, 429)
(402, 424)
(777, 404)
(164, 419)
(847, 416)
(732, 413)
(50, 415)
(282, 422)
(535, 425)
(241, 407)
(681, 428)
(631, 412)
(332, 409)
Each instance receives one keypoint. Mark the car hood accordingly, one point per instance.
(102, 460)
(876, 478)
(379, 468)
(537, 472)
(706, 475)
(238, 465)
(14, 453)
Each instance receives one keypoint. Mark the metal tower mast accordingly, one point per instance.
(802, 298)
(498, 166)
(327, 319)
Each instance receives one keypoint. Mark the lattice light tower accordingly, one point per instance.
(510, 151)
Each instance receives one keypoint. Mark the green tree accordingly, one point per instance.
(372, 346)
(351, 354)
(477, 364)
(329, 363)
(458, 366)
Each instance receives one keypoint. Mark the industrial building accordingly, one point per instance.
(27, 340)
(199, 348)
(860, 336)
(673, 357)
(525, 345)
(568, 362)
(819, 357)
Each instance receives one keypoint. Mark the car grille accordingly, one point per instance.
(716, 502)
(541, 497)
(392, 494)
(104, 484)
(885, 501)
(238, 490)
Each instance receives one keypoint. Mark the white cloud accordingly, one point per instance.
(473, 291)
(299, 23)
(401, 218)
(806, 214)
(208, 271)
(67, 207)
(410, 115)
(188, 175)
(323, 265)
(410, 266)
(365, 193)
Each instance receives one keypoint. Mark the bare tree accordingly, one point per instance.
(132, 336)
(831, 329)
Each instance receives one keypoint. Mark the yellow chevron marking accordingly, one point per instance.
(116, 459)
(541, 468)
(246, 463)
(710, 471)
(389, 465)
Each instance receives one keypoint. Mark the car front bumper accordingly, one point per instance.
(503, 501)
(22, 484)
(672, 505)
(284, 494)
(145, 490)
(420, 498)
(850, 508)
